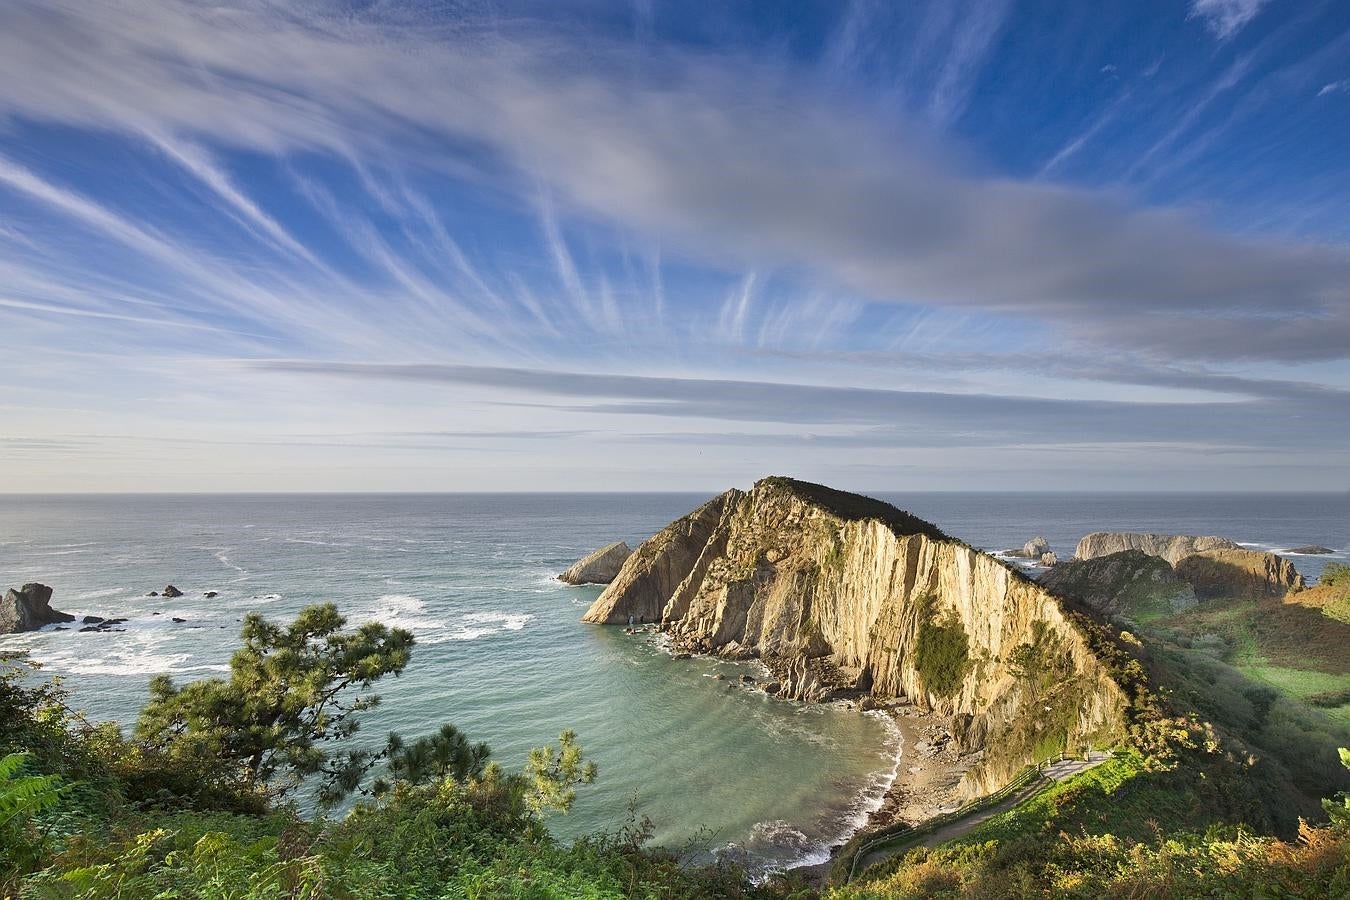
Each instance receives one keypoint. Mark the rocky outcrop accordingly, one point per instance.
(599, 566)
(1049, 559)
(1171, 547)
(1032, 549)
(171, 591)
(1310, 550)
(1239, 574)
(1130, 583)
(650, 576)
(28, 609)
(835, 591)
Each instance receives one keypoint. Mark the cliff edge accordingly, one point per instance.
(841, 593)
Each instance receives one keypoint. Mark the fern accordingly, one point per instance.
(25, 795)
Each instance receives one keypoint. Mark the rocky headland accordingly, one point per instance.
(843, 596)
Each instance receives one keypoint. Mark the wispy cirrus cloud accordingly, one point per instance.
(886, 221)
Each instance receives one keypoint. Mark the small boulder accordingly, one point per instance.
(28, 609)
(598, 567)
(153, 594)
(176, 619)
(172, 591)
(92, 620)
(209, 594)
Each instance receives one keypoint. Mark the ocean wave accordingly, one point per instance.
(95, 595)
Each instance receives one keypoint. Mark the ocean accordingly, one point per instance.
(500, 650)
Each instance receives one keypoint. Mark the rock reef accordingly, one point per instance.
(842, 594)
(599, 566)
(1171, 547)
(28, 609)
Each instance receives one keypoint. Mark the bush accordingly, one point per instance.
(941, 650)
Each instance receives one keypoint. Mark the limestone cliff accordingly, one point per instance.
(833, 590)
(1171, 547)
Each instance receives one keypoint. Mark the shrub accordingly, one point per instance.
(941, 650)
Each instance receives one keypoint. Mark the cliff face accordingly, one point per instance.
(838, 591)
(651, 573)
(1171, 547)
(1246, 574)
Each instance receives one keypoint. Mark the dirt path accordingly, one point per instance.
(1055, 772)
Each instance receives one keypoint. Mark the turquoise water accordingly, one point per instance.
(500, 648)
(501, 651)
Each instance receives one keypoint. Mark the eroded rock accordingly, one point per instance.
(1240, 574)
(1130, 583)
(1171, 547)
(29, 608)
(599, 566)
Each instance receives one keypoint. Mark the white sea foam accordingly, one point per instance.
(477, 625)
(95, 595)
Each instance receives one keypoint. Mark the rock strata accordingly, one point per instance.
(28, 609)
(1240, 574)
(1171, 547)
(651, 573)
(843, 595)
(599, 566)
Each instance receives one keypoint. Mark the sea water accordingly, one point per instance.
(501, 651)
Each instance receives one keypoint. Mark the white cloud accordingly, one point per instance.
(1335, 87)
(1226, 17)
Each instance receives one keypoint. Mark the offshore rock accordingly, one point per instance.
(1171, 547)
(836, 592)
(599, 566)
(1032, 549)
(172, 591)
(1130, 583)
(1240, 574)
(1310, 550)
(28, 609)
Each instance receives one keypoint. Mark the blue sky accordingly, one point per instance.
(671, 246)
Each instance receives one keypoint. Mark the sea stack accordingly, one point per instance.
(599, 566)
(28, 609)
(842, 594)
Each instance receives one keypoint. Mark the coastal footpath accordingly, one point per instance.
(845, 596)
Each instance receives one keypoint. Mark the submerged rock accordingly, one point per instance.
(1171, 547)
(1240, 574)
(209, 594)
(28, 609)
(1130, 583)
(834, 591)
(598, 567)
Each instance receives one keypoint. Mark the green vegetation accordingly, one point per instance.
(941, 649)
(1123, 829)
(195, 804)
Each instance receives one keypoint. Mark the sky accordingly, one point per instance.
(581, 245)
